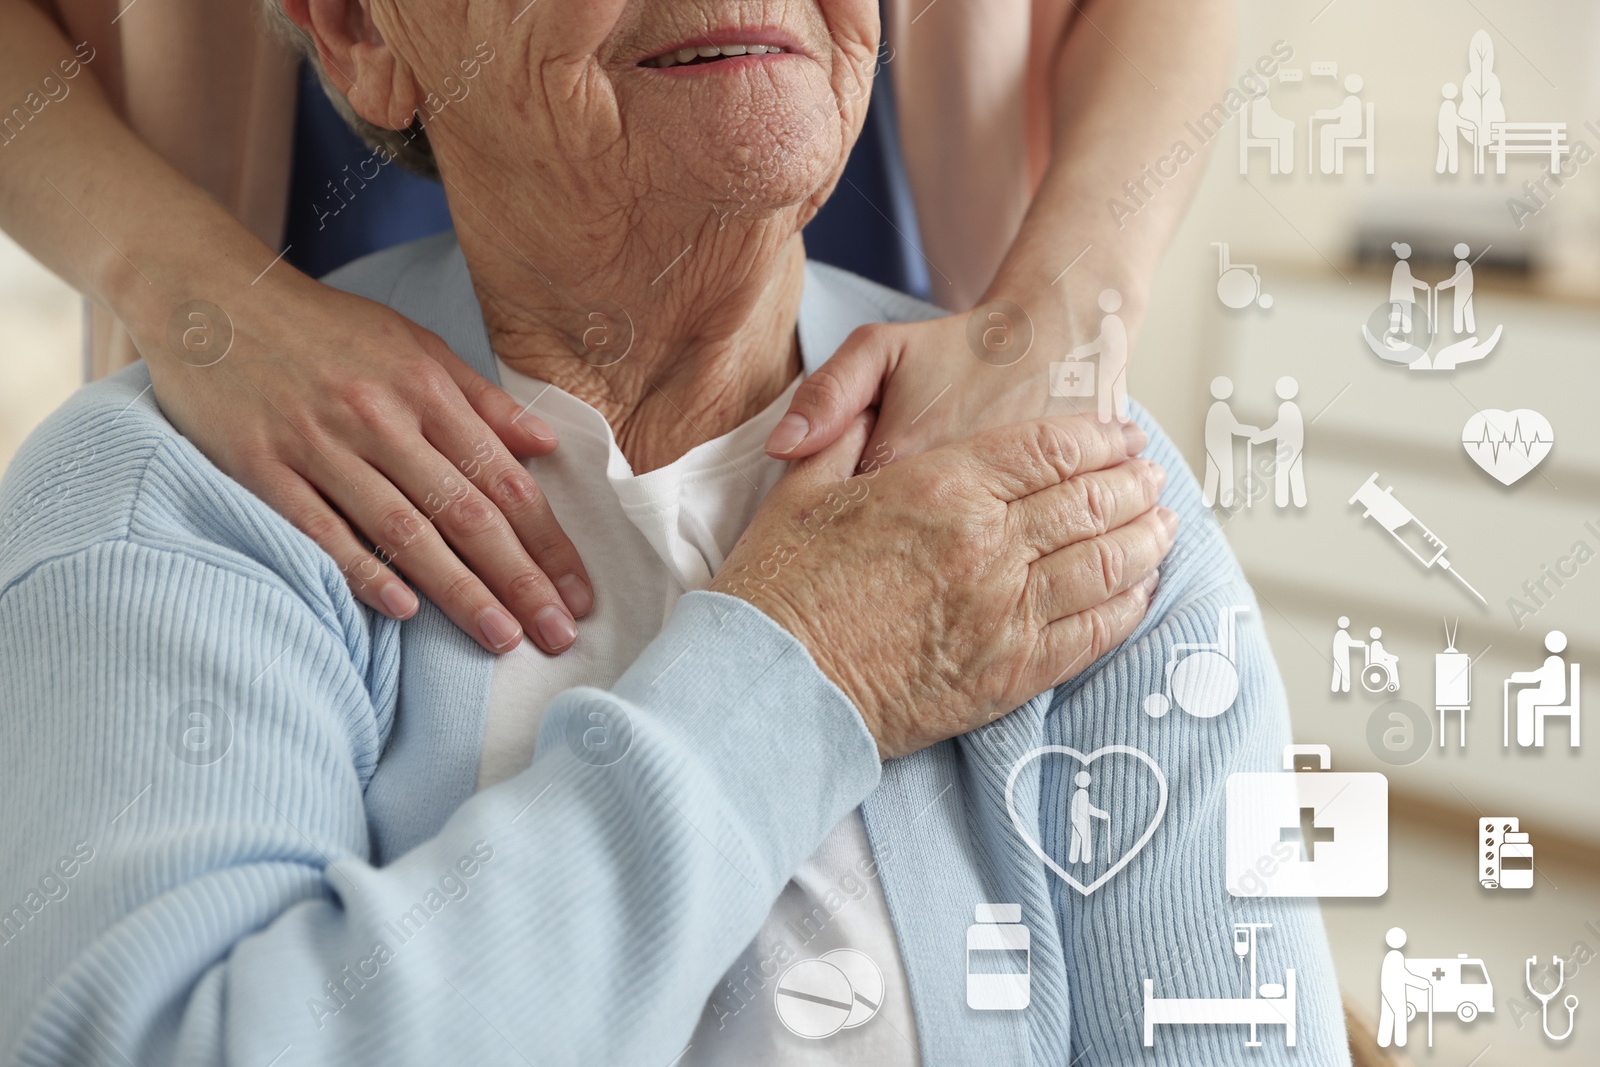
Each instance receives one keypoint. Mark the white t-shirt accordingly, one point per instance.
(826, 963)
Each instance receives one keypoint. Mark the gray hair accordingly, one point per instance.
(409, 146)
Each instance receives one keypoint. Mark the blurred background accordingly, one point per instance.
(1321, 246)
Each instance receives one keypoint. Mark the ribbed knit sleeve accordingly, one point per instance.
(184, 748)
(1167, 916)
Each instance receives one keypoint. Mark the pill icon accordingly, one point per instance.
(814, 999)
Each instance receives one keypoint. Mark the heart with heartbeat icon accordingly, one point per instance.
(1508, 444)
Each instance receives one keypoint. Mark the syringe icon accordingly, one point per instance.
(1392, 515)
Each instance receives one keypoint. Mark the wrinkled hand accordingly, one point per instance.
(348, 418)
(946, 589)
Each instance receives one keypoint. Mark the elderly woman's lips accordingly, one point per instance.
(710, 53)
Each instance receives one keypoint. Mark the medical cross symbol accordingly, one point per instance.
(1438, 974)
(1308, 833)
(1070, 378)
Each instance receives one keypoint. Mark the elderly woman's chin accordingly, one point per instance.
(755, 131)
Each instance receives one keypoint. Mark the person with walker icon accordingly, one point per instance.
(1393, 981)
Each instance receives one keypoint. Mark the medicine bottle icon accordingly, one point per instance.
(999, 961)
(1516, 862)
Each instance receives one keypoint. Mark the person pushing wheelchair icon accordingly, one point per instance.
(1380, 669)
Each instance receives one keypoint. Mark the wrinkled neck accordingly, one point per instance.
(676, 340)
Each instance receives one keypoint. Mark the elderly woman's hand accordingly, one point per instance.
(944, 590)
(351, 419)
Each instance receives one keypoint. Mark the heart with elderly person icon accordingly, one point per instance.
(1087, 824)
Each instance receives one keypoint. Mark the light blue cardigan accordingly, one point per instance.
(240, 821)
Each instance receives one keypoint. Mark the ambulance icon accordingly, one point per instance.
(1308, 833)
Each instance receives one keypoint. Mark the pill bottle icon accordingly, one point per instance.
(998, 959)
(1516, 862)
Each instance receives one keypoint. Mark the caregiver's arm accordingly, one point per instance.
(345, 416)
(195, 731)
(1128, 76)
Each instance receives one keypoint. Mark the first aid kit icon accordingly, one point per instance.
(1308, 833)
(1072, 377)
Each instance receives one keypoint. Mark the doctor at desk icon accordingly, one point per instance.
(1082, 814)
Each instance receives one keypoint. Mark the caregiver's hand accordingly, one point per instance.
(928, 386)
(347, 417)
(943, 590)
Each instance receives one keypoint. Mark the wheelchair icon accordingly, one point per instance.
(1202, 678)
(1381, 671)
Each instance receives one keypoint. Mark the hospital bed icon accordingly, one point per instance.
(1270, 1004)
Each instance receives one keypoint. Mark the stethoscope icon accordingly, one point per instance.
(1570, 1000)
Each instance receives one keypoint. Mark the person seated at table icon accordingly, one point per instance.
(1342, 123)
(1082, 814)
(1461, 281)
(1546, 688)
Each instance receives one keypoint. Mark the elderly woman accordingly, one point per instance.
(252, 821)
